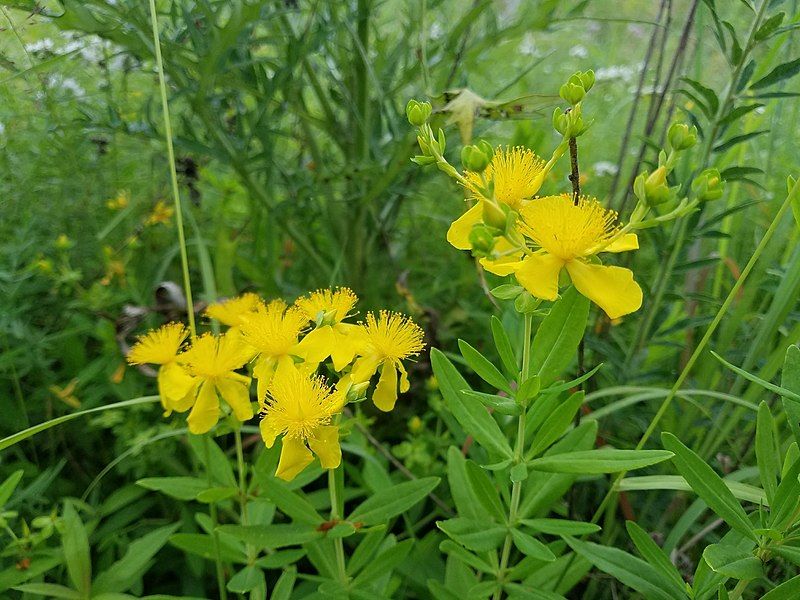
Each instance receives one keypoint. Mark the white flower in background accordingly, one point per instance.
(436, 31)
(604, 167)
(578, 52)
(527, 47)
(42, 45)
(623, 72)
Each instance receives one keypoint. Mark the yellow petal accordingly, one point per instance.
(268, 432)
(294, 458)
(458, 234)
(611, 288)
(629, 241)
(364, 368)
(175, 385)
(237, 395)
(205, 412)
(539, 275)
(503, 266)
(263, 371)
(317, 345)
(404, 384)
(325, 444)
(347, 342)
(385, 395)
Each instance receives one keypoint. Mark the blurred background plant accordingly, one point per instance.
(294, 159)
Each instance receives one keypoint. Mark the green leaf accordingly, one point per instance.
(383, 564)
(708, 485)
(785, 393)
(732, 561)
(767, 452)
(123, 574)
(779, 73)
(466, 502)
(769, 26)
(742, 491)
(465, 556)
(213, 459)
(739, 112)
(529, 388)
(788, 590)
(246, 580)
(561, 526)
(75, 542)
(284, 586)
(291, 503)
(656, 557)
(272, 536)
(530, 546)
(500, 404)
(504, 348)
(790, 380)
(216, 494)
(787, 497)
(485, 491)
(560, 387)
(182, 488)
(388, 503)
(475, 535)
(483, 368)
(471, 415)
(507, 291)
(8, 487)
(708, 94)
(556, 341)
(591, 462)
(630, 570)
(556, 424)
(738, 139)
(203, 545)
(51, 590)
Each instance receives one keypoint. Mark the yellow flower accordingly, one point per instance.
(230, 312)
(67, 393)
(63, 242)
(162, 213)
(300, 408)
(388, 339)
(161, 347)
(120, 201)
(569, 235)
(331, 337)
(272, 331)
(212, 361)
(516, 173)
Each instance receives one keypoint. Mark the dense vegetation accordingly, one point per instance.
(561, 435)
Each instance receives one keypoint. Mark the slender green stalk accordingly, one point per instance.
(706, 337)
(187, 282)
(737, 592)
(176, 196)
(335, 516)
(251, 551)
(519, 450)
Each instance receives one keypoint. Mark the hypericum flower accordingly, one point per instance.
(569, 235)
(331, 337)
(162, 213)
(516, 174)
(161, 347)
(230, 312)
(120, 201)
(213, 361)
(300, 408)
(388, 339)
(273, 332)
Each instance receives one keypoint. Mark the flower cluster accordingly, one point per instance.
(290, 351)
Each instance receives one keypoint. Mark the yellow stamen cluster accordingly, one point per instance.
(393, 336)
(230, 312)
(273, 329)
(296, 405)
(565, 229)
(211, 356)
(338, 303)
(160, 346)
(516, 173)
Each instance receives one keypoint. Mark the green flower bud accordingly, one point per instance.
(681, 136)
(475, 158)
(526, 303)
(418, 112)
(423, 161)
(481, 240)
(560, 121)
(495, 215)
(572, 92)
(587, 79)
(656, 190)
(708, 185)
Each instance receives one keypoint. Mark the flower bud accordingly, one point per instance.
(587, 79)
(654, 187)
(357, 391)
(481, 240)
(475, 158)
(681, 136)
(560, 121)
(572, 92)
(708, 185)
(418, 112)
(495, 215)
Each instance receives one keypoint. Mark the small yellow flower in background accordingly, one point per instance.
(162, 213)
(44, 265)
(230, 312)
(161, 347)
(300, 408)
(273, 331)
(63, 242)
(331, 337)
(120, 201)
(389, 338)
(212, 361)
(516, 173)
(66, 394)
(570, 235)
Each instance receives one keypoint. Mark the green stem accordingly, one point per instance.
(706, 337)
(519, 448)
(212, 510)
(739, 589)
(335, 516)
(251, 551)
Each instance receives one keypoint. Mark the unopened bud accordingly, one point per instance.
(560, 121)
(708, 185)
(418, 112)
(653, 188)
(481, 240)
(475, 157)
(572, 93)
(681, 136)
(495, 215)
(587, 79)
